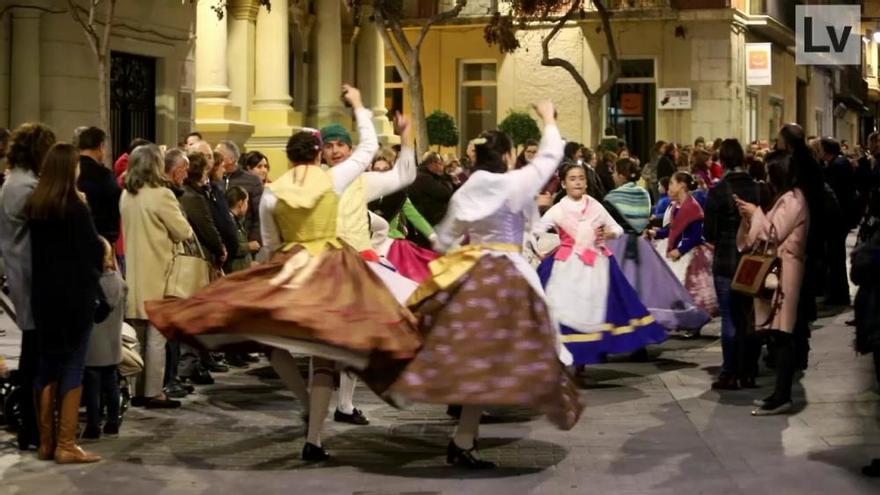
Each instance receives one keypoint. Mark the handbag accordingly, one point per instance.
(759, 271)
(189, 270)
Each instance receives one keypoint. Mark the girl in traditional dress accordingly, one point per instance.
(681, 240)
(489, 338)
(658, 288)
(598, 310)
(316, 295)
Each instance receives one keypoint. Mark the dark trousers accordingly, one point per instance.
(837, 288)
(101, 388)
(748, 343)
(66, 368)
(785, 364)
(28, 368)
(172, 359)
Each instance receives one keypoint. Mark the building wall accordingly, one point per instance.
(68, 70)
(4, 70)
(820, 99)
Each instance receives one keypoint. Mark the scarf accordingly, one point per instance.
(688, 213)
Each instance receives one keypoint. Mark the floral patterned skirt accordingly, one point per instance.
(489, 340)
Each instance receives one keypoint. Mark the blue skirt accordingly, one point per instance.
(627, 327)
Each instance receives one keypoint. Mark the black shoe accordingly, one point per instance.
(355, 418)
(454, 412)
(748, 382)
(186, 384)
(138, 401)
(176, 391)
(872, 470)
(111, 429)
(27, 440)
(216, 368)
(250, 358)
(773, 408)
(202, 377)
(457, 456)
(850, 323)
(154, 403)
(640, 356)
(236, 361)
(726, 382)
(313, 453)
(92, 432)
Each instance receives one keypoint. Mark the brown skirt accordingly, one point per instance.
(489, 341)
(341, 304)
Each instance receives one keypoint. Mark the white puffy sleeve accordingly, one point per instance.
(346, 172)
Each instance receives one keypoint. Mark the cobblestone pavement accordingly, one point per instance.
(649, 428)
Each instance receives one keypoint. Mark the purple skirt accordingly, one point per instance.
(658, 288)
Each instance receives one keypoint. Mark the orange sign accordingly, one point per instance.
(631, 104)
(759, 60)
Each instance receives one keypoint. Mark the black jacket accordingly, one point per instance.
(102, 193)
(866, 274)
(839, 174)
(665, 167)
(722, 218)
(430, 194)
(196, 207)
(254, 187)
(224, 220)
(68, 259)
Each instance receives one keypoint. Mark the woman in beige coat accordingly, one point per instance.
(152, 221)
(786, 226)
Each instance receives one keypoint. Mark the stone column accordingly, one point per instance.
(371, 74)
(273, 57)
(216, 116)
(242, 26)
(271, 112)
(24, 84)
(327, 52)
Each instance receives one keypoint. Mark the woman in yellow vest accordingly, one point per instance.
(315, 296)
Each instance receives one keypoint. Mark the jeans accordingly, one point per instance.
(66, 368)
(728, 328)
(101, 388)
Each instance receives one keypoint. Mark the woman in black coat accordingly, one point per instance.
(197, 208)
(67, 264)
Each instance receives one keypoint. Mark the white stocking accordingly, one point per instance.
(322, 389)
(285, 365)
(468, 427)
(345, 399)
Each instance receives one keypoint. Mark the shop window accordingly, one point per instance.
(393, 91)
(478, 99)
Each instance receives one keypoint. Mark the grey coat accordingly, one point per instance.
(15, 243)
(105, 343)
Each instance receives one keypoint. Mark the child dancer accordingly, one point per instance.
(598, 310)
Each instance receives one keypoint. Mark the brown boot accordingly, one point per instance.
(67, 451)
(45, 399)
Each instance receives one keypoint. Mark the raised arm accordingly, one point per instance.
(346, 172)
(528, 181)
(403, 174)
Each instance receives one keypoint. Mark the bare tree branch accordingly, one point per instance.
(108, 25)
(615, 68)
(439, 19)
(393, 49)
(88, 28)
(547, 61)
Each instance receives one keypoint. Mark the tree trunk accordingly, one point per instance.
(104, 107)
(594, 104)
(417, 101)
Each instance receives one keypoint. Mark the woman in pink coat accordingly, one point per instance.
(786, 226)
